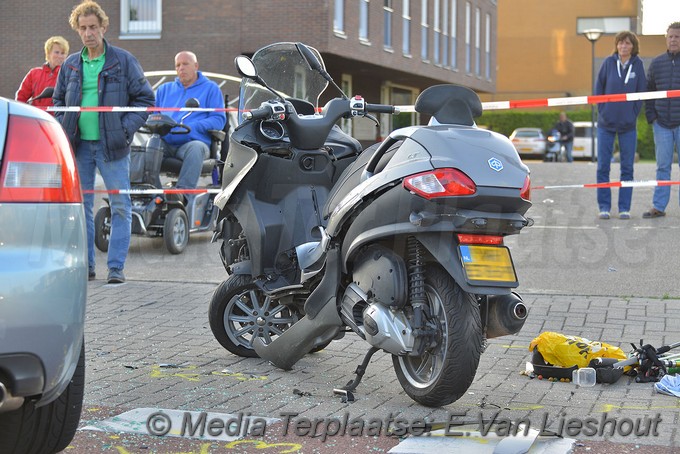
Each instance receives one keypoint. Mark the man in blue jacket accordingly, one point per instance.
(194, 147)
(102, 75)
(664, 115)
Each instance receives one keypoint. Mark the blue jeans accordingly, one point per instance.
(116, 175)
(665, 142)
(192, 155)
(605, 151)
(568, 146)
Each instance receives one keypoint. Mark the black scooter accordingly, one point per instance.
(163, 214)
(400, 244)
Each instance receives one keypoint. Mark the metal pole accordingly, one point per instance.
(592, 107)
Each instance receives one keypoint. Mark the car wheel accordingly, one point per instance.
(49, 428)
(102, 228)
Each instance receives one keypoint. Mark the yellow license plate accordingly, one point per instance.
(578, 148)
(487, 264)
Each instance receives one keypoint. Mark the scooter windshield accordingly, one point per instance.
(282, 67)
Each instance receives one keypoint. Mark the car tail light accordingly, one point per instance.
(466, 238)
(38, 165)
(440, 183)
(525, 192)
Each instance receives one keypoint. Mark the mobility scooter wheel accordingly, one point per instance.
(102, 228)
(176, 231)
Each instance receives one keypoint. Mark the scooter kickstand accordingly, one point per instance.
(346, 391)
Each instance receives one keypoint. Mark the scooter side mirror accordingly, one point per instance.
(192, 103)
(46, 93)
(245, 67)
(309, 57)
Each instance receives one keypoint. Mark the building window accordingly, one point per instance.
(445, 33)
(606, 24)
(399, 96)
(363, 20)
(339, 17)
(454, 33)
(468, 25)
(436, 33)
(423, 30)
(141, 19)
(487, 47)
(346, 123)
(299, 84)
(387, 16)
(406, 28)
(478, 41)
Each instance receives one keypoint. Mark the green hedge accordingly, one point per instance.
(505, 122)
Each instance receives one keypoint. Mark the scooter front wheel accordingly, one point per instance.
(102, 228)
(176, 231)
(444, 373)
(239, 312)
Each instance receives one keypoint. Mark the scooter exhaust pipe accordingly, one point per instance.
(7, 401)
(506, 315)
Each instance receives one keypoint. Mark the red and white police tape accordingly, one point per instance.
(492, 105)
(612, 184)
(140, 191)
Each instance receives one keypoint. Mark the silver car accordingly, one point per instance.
(43, 283)
(529, 142)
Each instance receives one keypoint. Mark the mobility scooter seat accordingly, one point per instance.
(172, 166)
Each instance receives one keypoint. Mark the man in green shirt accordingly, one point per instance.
(102, 75)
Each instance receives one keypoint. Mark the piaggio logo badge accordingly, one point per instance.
(496, 164)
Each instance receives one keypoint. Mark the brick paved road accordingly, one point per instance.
(149, 345)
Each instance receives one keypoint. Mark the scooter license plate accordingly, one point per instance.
(488, 265)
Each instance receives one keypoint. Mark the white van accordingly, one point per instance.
(582, 140)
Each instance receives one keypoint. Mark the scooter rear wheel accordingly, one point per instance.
(444, 373)
(239, 312)
(102, 228)
(176, 231)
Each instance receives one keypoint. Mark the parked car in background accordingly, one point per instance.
(583, 140)
(529, 142)
(43, 284)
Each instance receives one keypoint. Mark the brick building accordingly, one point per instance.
(387, 51)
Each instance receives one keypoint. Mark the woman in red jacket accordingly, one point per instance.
(37, 79)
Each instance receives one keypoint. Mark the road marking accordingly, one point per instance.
(187, 373)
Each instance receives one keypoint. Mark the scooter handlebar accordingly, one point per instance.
(257, 114)
(274, 109)
(627, 362)
(382, 108)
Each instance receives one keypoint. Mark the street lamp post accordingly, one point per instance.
(592, 35)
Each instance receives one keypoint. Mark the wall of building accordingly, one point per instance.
(541, 55)
(218, 30)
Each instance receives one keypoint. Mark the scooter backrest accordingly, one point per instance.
(450, 104)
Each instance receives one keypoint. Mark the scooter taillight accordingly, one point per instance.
(525, 192)
(440, 183)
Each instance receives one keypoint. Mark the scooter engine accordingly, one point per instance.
(381, 326)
